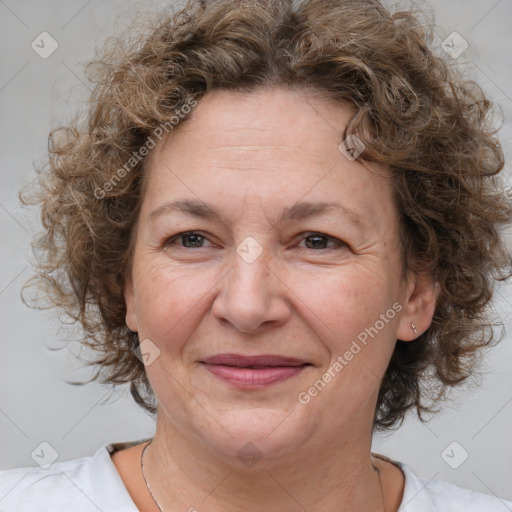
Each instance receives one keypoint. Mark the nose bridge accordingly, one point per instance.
(250, 294)
(251, 265)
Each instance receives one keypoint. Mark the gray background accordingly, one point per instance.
(36, 404)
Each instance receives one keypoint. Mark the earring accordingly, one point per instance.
(414, 328)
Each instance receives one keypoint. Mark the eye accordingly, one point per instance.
(318, 241)
(193, 238)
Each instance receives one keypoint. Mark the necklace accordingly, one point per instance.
(145, 479)
(162, 510)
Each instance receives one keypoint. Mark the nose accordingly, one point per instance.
(252, 297)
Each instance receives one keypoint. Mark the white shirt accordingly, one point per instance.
(92, 484)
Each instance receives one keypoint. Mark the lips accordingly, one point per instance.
(261, 361)
(253, 372)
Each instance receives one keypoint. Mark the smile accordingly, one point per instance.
(253, 372)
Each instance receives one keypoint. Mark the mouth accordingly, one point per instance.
(253, 372)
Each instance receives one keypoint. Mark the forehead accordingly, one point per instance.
(263, 119)
(273, 147)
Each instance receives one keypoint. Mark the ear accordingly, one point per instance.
(129, 299)
(419, 306)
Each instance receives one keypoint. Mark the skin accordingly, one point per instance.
(251, 156)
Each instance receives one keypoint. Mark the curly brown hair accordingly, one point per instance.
(415, 113)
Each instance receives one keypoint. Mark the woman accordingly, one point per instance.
(279, 221)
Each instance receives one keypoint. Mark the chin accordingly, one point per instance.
(261, 437)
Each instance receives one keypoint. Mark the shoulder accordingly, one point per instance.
(30, 489)
(430, 495)
(82, 485)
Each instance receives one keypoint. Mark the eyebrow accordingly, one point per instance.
(299, 211)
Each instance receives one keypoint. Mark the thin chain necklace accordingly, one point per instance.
(162, 510)
(145, 479)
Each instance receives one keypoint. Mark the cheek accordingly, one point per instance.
(168, 300)
(342, 304)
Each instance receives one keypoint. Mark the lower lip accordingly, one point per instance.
(249, 378)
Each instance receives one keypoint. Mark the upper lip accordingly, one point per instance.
(259, 360)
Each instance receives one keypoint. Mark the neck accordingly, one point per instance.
(183, 475)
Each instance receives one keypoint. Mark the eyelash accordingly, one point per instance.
(170, 241)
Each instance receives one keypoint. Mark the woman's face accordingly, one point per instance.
(272, 272)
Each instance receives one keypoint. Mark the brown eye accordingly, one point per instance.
(189, 239)
(319, 241)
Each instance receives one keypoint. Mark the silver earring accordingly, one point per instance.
(414, 328)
